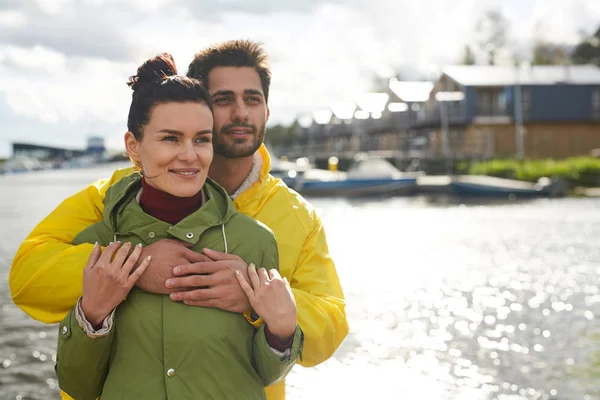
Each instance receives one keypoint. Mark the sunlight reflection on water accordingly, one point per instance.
(445, 301)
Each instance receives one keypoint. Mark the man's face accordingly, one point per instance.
(240, 110)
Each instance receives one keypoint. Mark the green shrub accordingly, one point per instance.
(581, 171)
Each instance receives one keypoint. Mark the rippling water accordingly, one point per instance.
(445, 301)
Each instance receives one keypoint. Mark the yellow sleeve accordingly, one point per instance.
(46, 273)
(319, 299)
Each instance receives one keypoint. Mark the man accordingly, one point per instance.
(45, 277)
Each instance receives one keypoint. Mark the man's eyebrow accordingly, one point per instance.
(253, 92)
(223, 93)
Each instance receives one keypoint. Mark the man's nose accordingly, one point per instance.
(240, 111)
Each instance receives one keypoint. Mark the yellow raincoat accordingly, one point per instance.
(46, 274)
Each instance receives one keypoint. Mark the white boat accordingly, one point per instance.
(20, 164)
(367, 177)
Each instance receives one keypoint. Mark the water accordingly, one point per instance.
(445, 301)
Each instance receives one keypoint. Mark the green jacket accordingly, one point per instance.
(160, 349)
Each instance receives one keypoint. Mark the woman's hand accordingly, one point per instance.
(107, 280)
(272, 299)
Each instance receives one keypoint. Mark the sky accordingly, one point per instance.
(64, 63)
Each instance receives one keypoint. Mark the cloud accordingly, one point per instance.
(205, 10)
(77, 28)
(36, 59)
(64, 63)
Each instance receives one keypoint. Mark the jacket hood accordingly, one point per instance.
(217, 210)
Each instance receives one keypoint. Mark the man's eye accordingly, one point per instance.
(221, 100)
(253, 100)
(170, 139)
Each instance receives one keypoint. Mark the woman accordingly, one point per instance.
(150, 347)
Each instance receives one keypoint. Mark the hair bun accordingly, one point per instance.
(153, 69)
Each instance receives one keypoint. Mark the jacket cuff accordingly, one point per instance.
(89, 330)
(277, 344)
(295, 347)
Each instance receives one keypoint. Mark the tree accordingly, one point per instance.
(467, 57)
(546, 53)
(588, 51)
(277, 134)
(492, 33)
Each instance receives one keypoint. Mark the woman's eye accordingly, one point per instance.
(204, 139)
(170, 139)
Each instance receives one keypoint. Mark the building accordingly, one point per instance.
(45, 153)
(370, 122)
(533, 112)
(95, 146)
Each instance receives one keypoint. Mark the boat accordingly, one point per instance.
(488, 186)
(21, 164)
(288, 171)
(367, 177)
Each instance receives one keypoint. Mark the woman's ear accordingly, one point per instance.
(132, 149)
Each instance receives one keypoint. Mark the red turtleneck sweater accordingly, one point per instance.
(172, 209)
(167, 207)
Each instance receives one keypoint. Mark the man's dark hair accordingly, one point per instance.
(233, 53)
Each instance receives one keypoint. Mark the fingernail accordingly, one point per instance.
(149, 258)
(139, 245)
(251, 265)
(176, 270)
(237, 272)
(169, 283)
(95, 245)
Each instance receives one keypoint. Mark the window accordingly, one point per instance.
(491, 102)
(596, 104)
(526, 103)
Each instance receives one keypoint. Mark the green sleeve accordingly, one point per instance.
(81, 361)
(270, 366)
(270, 257)
(98, 232)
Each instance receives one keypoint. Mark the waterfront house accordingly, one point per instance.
(529, 111)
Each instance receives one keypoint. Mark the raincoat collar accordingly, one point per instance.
(251, 199)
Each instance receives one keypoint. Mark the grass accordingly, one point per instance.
(580, 171)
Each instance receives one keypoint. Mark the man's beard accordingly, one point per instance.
(231, 149)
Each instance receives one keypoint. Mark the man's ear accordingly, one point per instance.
(132, 149)
(268, 114)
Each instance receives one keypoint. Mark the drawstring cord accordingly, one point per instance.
(224, 237)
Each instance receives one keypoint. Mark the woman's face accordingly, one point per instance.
(176, 149)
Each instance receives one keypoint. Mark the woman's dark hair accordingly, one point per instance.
(156, 83)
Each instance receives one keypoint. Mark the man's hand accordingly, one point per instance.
(212, 283)
(165, 253)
